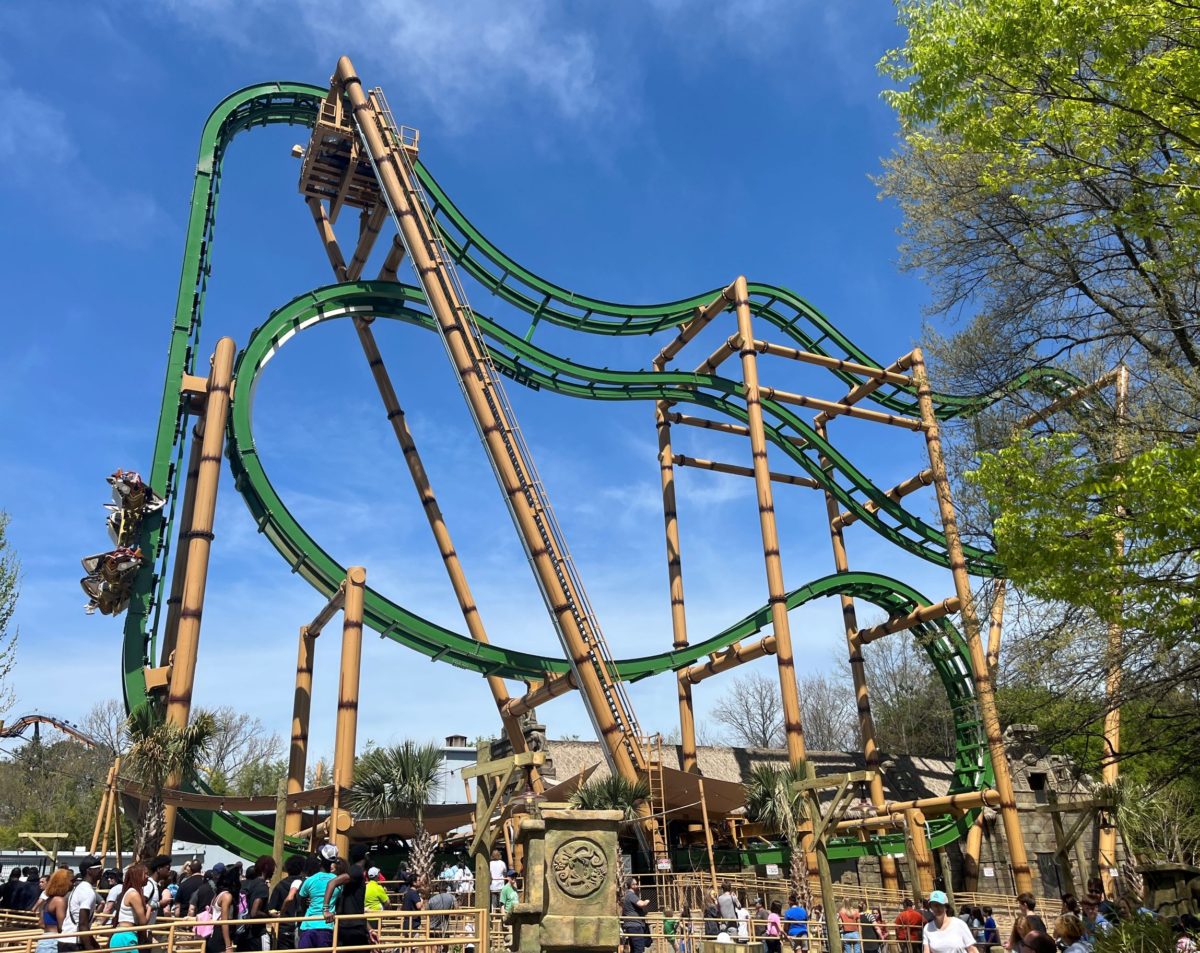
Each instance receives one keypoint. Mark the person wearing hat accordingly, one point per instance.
(81, 907)
(508, 893)
(375, 899)
(946, 933)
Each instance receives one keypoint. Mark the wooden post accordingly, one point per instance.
(962, 585)
(666, 469)
(1061, 848)
(1110, 771)
(483, 873)
(974, 842)
(858, 672)
(301, 712)
(102, 811)
(947, 877)
(179, 572)
(708, 841)
(281, 819)
(914, 821)
(776, 590)
(347, 711)
(199, 545)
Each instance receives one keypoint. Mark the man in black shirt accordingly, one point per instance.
(26, 894)
(205, 892)
(633, 917)
(352, 929)
(188, 885)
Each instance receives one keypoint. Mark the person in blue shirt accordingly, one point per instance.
(795, 921)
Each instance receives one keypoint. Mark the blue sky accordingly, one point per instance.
(637, 152)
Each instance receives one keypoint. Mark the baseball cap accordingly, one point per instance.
(162, 860)
(88, 862)
(510, 872)
(218, 868)
(373, 872)
(328, 852)
(939, 896)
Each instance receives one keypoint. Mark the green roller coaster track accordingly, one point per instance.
(516, 357)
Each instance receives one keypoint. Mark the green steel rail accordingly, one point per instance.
(517, 357)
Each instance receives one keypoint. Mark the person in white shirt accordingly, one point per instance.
(944, 933)
(743, 924)
(497, 869)
(81, 908)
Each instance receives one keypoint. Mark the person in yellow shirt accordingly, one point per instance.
(376, 897)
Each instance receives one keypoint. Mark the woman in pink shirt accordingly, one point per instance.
(774, 928)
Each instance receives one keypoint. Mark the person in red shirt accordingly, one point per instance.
(909, 925)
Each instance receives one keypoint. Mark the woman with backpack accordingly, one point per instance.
(132, 911)
(224, 908)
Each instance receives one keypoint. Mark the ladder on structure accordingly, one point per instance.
(402, 144)
(655, 782)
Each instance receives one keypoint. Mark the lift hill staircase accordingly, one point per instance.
(595, 663)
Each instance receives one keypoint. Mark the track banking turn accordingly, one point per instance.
(516, 357)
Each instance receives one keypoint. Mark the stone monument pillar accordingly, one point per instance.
(571, 874)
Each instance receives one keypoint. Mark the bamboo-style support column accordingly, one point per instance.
(391, 264)
(486, 404)
(918, 843)
(888, 873)
(199, 545)
(1110, 770)
(974, 843)
(328, 237)
(346, 731)
(895, 494)
(301, 710)
(776, 590)
(919, 616)
(816, 403)
(732, 468)
(371, 223)
(884, 375)
(962, 585)
(703, 316)
(996, 626)
(725, 427)
(736, 471)
(550, 689)
(441, 534)
(412, 458)
(179, 570)
(1075, 394)
(732, 657)
(728, 348)
(679, 638)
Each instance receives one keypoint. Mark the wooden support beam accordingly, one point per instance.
(549, 689)
(730, 347)
(1070, 397)
(882, 375)
(776, 477)
(918, 616)
(895, 494)
(719, 425)
(732, 657)
(703, 315)
(815, 403)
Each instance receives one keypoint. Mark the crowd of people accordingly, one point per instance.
(932, 926)
(235, 907)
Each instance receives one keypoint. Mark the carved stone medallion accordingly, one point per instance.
(580, 867)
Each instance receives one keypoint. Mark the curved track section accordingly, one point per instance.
(305, 556)
(298, 103)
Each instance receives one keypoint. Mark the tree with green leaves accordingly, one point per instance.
(1048, 175)
(772, 799)
(611, 793)
(159, 750)
(398, 781)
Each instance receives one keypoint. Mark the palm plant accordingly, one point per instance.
(772, 800)
(397, 781)
(159, 751)
(611, 793)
